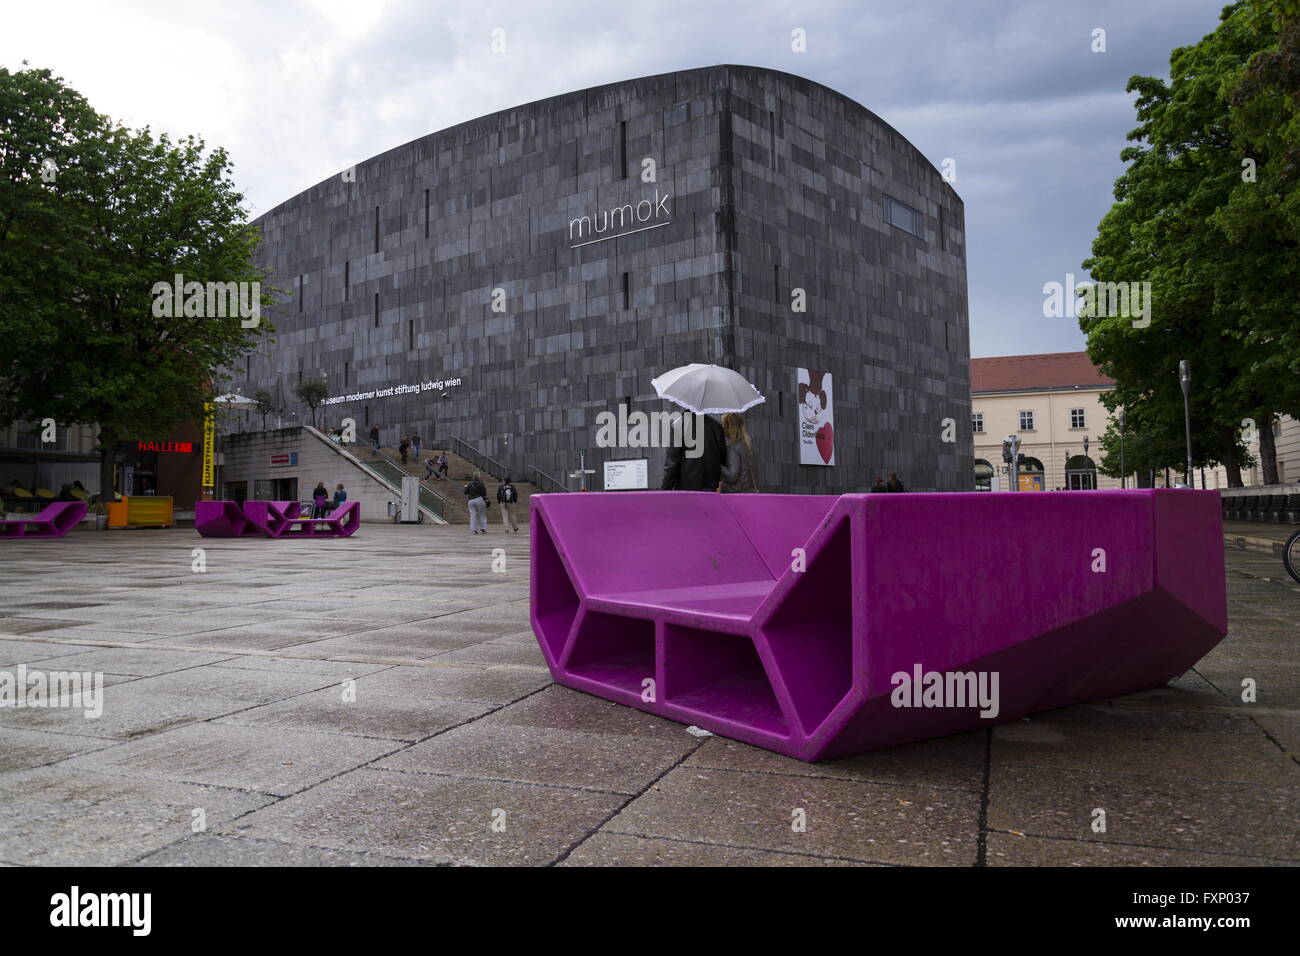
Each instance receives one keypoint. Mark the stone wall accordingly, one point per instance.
(392, 271)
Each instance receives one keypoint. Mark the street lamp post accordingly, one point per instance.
(1123, 475)
(1185, 377)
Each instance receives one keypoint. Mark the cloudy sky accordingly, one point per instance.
(296, 91)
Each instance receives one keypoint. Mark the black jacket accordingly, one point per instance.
(683, 473)
(501, 495)
(476, 489)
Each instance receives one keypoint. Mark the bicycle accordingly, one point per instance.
(1291, 555)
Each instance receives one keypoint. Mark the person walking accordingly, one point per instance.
(415, 447)
(476, 495)
(340, 496)
(894, 484)
(700, 473)
(320, 500)
(442, 468)
(738, 468)
(402, 447)
(507, 496)
(374, 441)
(879, 486)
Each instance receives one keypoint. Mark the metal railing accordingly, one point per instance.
(479, 459)
(391, 473)
(390, 470)
(545, 482)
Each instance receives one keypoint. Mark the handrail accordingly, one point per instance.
(478, 458)
(369, 466)
(424, 489)
(547, 479)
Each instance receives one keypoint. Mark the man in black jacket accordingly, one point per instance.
(507, 495)
(476, 495)
(701, 473)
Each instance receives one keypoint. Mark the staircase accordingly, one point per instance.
(460, 471)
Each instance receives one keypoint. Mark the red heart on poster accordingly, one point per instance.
(826, 442)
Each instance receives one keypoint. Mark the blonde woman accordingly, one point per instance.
(738, 471)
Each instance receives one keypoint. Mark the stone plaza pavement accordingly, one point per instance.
(380, 700)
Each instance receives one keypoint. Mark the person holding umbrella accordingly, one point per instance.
(695, 464)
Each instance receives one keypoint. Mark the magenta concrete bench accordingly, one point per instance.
(272, 519)
(54, 521)
(689, 605)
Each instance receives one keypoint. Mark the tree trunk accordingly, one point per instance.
(107, 454)
(1231, 461)
(1267, 449)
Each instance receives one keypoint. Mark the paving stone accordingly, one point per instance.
(369, 715)
(518, 654)
(954, 763)
(1009, 849)
(500, 751)
(137, 661)
(205, 849)
(1244, 819)
(498, 686)
(561, 708)
(617, 849)
(28, 652)
(267, 760)
(295, 665)
(845, 819)
(437, 819)
(1138, 741)
(21, 749)
(57, 816)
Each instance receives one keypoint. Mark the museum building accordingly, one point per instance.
(505, 281)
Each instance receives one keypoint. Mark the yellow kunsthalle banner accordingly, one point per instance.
(209, 455)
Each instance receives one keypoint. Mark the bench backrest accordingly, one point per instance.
(649, 540)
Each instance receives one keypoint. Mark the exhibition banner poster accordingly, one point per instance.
(816, 418)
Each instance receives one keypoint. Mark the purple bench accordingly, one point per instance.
(272, 519)
(54, 521)
(689, 605)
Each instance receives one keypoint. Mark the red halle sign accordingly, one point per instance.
(179, 447)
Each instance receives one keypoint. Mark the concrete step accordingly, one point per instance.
(460, 471)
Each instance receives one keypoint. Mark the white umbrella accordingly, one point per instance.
(707, 389)
(235, 399)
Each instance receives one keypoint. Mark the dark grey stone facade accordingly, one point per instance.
(774, 183)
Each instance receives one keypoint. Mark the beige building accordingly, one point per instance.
(1053, 403)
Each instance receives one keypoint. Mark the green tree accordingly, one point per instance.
(1182, 222)
(264, 402)
(311, 392)
(132, 211)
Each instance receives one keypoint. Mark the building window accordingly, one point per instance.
(771, 138)
(1078, 418)
(347, 368)
(904, 217)
(410, 334)
(776, 282)
(376, 229)
(977, 423)
(1026, 421)
(426, 214)
(622, 148)
(627, 290)
(376, 310)
(347, 280)
(302, 290)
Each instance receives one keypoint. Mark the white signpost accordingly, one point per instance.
(629, 475)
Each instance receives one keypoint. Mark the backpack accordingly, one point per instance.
(509, 496)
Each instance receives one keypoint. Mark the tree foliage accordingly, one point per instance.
(81, 252)
(1203, 213)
